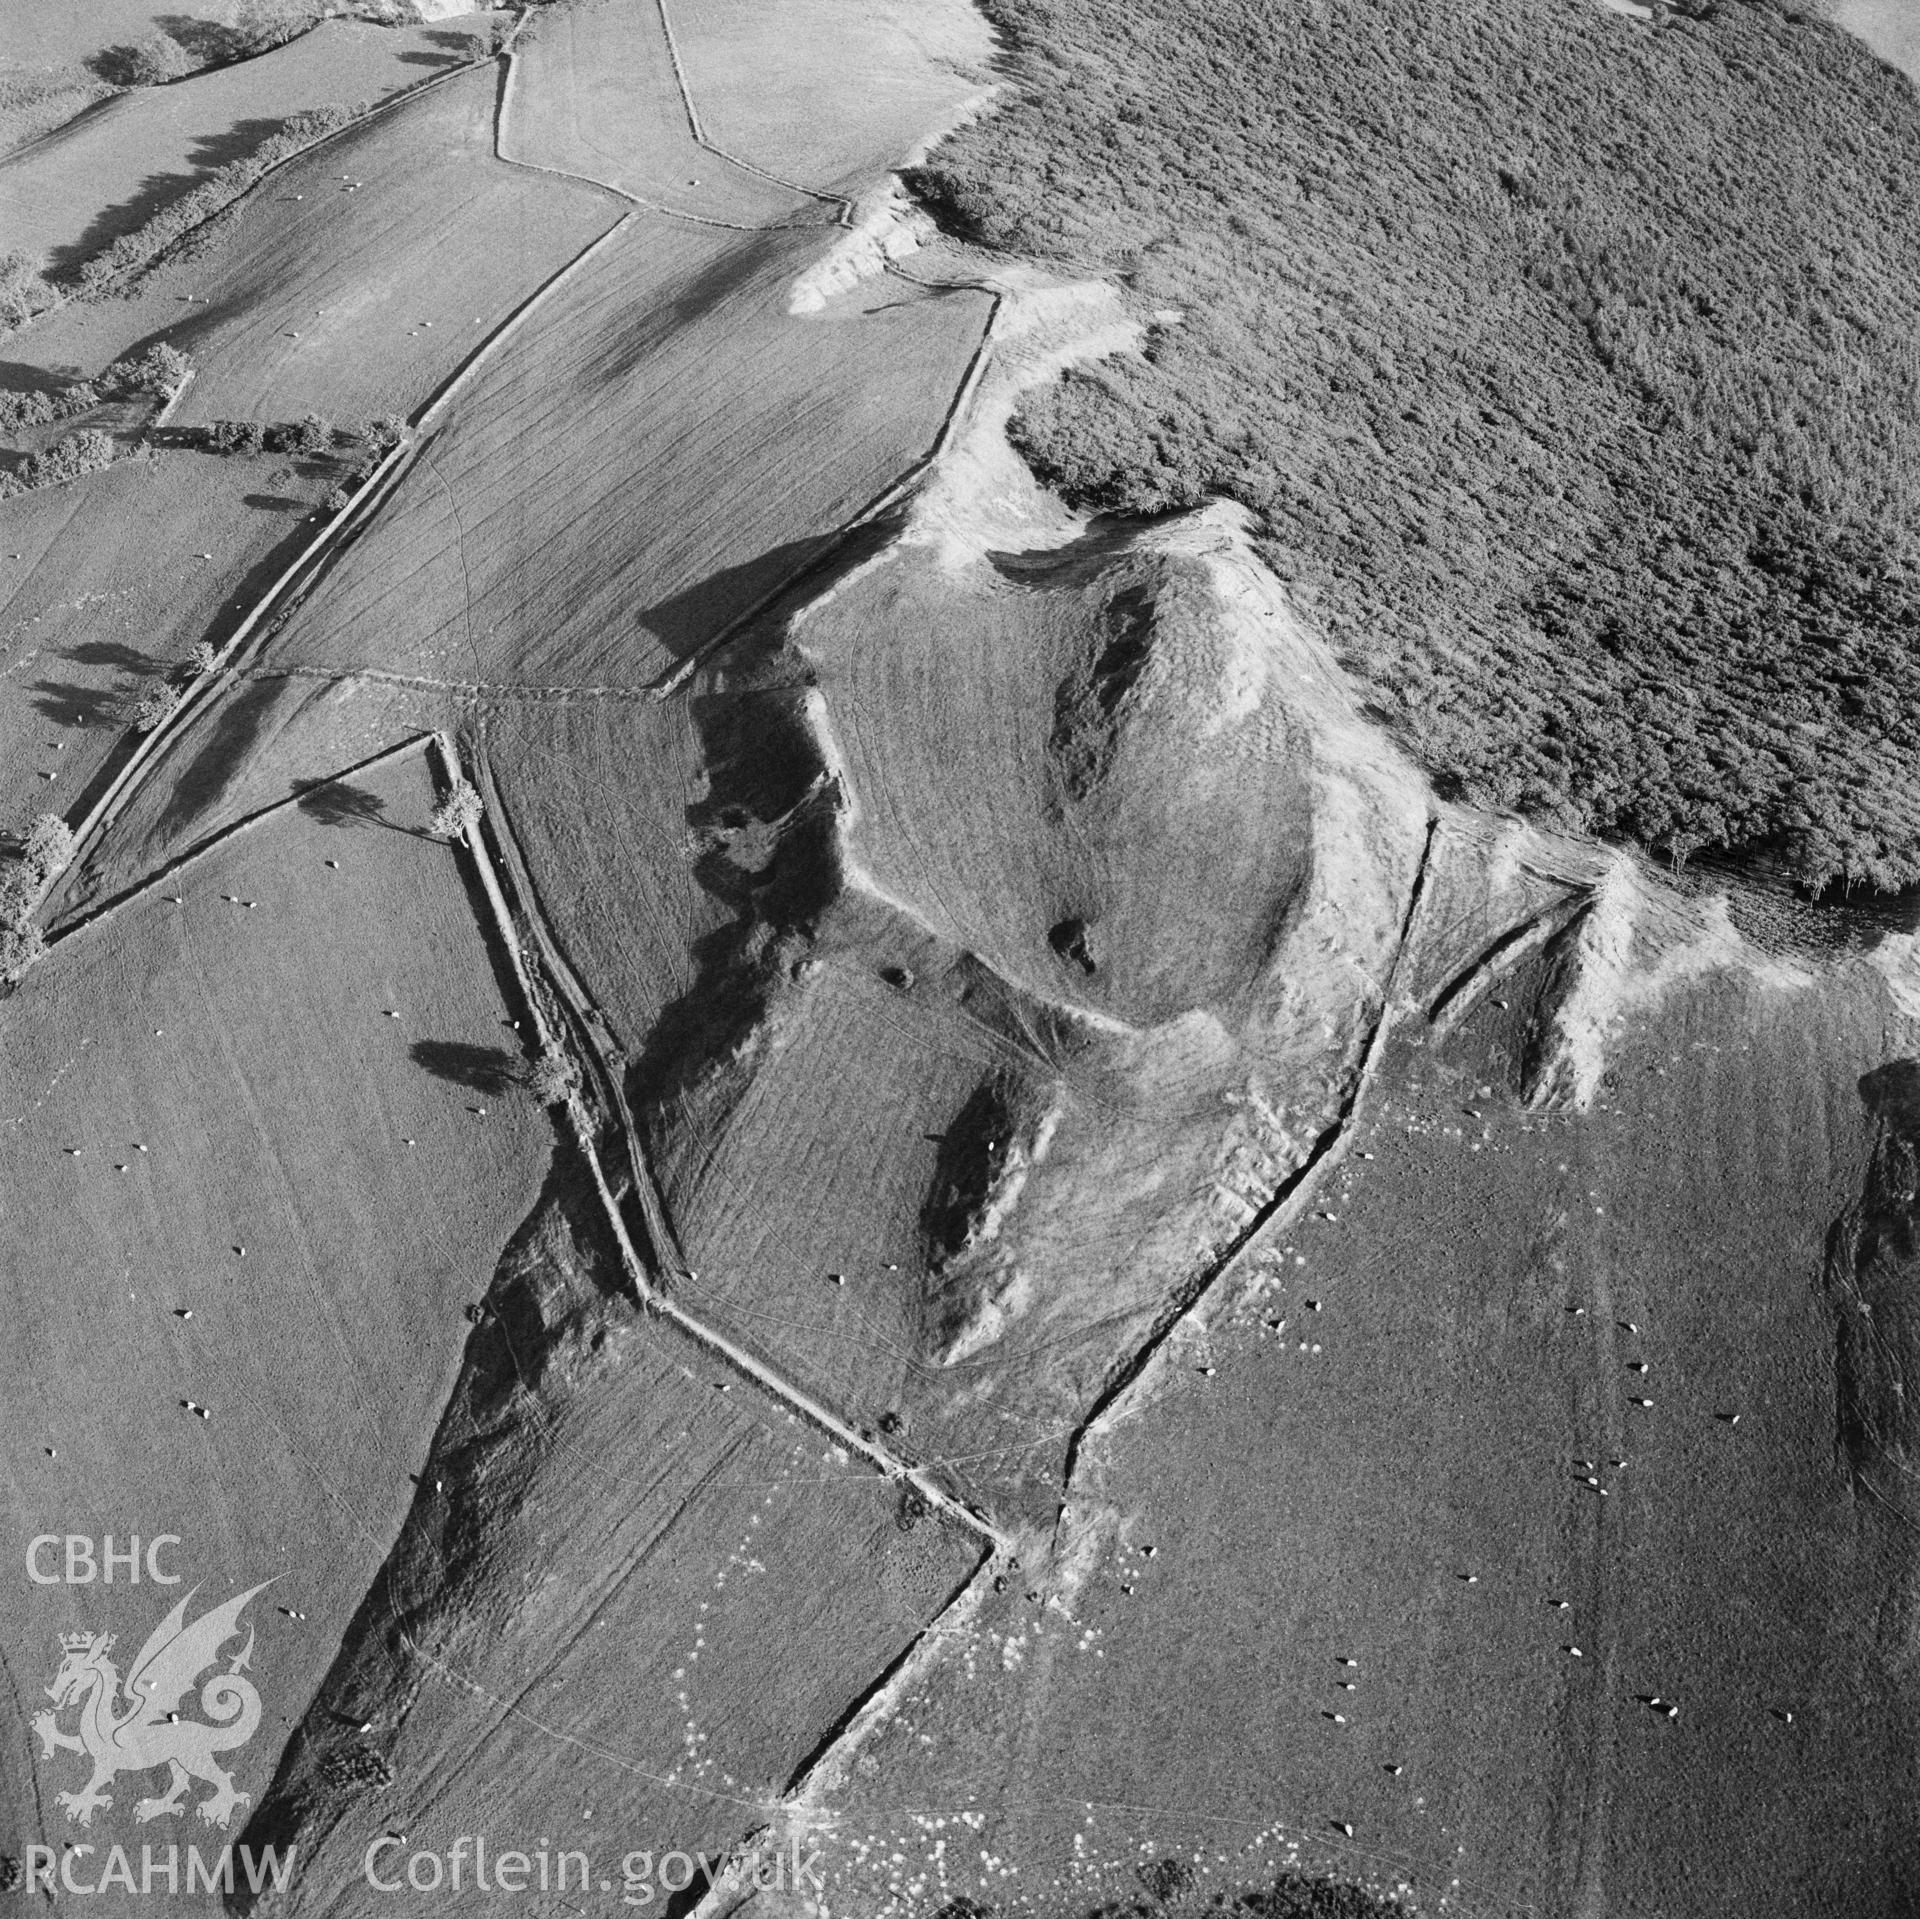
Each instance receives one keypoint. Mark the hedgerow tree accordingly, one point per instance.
(48, 845)
(70, 459)
(553, 1078)
(23, 290)
(21, 941)
(149, 62)
(458, 812)
(155, 707)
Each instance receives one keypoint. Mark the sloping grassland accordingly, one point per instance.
(1566, 361)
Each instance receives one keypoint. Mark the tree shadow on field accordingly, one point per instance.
(113, 653)
(66, 704)
(481, 1069)
(339, 803)
(17, 377)
(210, 152)
(455, 49)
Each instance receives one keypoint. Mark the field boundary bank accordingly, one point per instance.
(889, 496)
(129, 895)
(584, 1012)
(86, 296)
(503, 99)
(1327, 1150)
(699, 132)
(288, 590)
(646, 1292)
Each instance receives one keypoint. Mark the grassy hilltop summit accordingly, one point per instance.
(1568, 362)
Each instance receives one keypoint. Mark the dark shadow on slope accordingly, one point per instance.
(768, 838)
(221, 756)
(554, 1294)
(703, 290)
(481, 1069)
(1871, 1283)
(686, 621)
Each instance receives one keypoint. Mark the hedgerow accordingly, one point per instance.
(1568, 366)
(69, 459)
(218, 191)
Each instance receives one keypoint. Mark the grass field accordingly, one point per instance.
(78, 189)
(655, 450)
(103, 591)
(1069, 762)
(616, 875)
(308, 297)
(826, 92)
(637, 1600)
(594, 93)
(166, 1107)
(938, 1166)
(1887, 26)
(1445, 1421)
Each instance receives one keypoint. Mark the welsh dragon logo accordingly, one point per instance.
(146, 1731)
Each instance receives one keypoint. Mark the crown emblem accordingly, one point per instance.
(82, 1642)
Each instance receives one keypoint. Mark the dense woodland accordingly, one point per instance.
(1570, 364)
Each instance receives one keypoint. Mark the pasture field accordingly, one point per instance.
(1458, 1449)
(71, 193)
(246, 747)
(353, 281)
(594, 93)
(183, 1081)
(829, 93)
(103, 590)
(642, 1596)
(1887, 26)
(1068, 762)
(602, 800)
(43, 39)
(653, 452)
